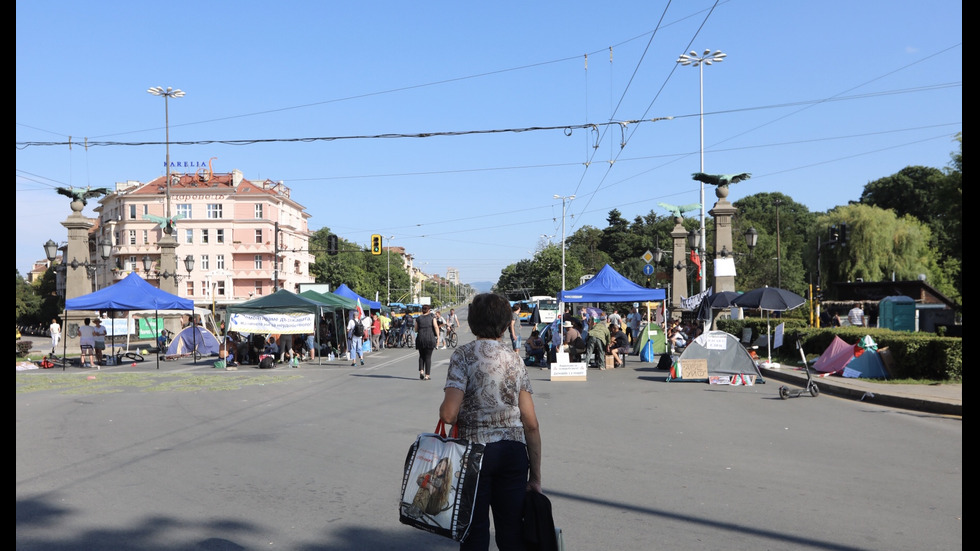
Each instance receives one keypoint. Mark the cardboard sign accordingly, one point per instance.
(568, 371)
(694, 369)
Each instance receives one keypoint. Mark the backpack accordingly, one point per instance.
(267, 362)
(358, 330)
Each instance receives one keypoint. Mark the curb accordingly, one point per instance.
(879, 398)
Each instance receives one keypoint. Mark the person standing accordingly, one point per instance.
(385, 329)
(367, 323)
(311, 345)
(427, 334)
(633, 320)
(615, 319)
(515, 322)
(856, 316)
(441, 324)
(98, 336)
(86, 341)
(488, 397)
(375, 332)
(55, 334)
(355, 332)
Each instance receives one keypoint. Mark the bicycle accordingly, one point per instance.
(451, 338)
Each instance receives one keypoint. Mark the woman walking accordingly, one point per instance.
(427, 333)
(488, 398)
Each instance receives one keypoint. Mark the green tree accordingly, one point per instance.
(880, 245)
(764, 265)
(27, 303)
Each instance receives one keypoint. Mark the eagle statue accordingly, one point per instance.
(82, 195)
(168, 224)
(679, 210)
(721, 179)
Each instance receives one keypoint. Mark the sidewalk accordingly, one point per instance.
(940, 398)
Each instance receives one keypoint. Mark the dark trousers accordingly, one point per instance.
(503, 482)
(595, 350)
(425, 360)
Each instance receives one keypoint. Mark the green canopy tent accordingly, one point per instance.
(342, 305)
(282, 312)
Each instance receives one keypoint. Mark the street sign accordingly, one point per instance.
(648, 269)
(647, 257)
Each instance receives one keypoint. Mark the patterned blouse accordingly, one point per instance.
(491, 377)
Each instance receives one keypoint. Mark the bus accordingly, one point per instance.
(547, 308)
(397, 309)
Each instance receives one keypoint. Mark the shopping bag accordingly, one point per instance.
(439, 483)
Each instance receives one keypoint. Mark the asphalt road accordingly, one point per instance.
(189, 457)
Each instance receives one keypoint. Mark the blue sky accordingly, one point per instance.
(815, 99)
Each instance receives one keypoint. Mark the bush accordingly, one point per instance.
(24, 348)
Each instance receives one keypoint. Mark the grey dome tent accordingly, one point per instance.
(726, 358)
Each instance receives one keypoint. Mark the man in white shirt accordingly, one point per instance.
(55, 334)
(856, 316)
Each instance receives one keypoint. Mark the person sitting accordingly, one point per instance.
(574, 344)
(271, 347)
(535, 349)
(619, 345)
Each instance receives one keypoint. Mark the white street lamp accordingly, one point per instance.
(390, 237)
(167, 94)
(707, 58)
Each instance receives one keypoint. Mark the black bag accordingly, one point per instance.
(665, 362)
(358, 330)
(267, 362)
(440, 482)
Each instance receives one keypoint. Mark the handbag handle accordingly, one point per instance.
(441, 430)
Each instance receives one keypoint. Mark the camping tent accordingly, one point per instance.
(725, 355)
(132, 293)
(194, 338)
(845, 359)
(346, 291)
(609, 286)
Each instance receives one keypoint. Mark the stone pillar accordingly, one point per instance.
(77, 280)
(679, 285)
(168, 263)
(722, 213)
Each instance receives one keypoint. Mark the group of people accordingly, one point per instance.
(91, 341)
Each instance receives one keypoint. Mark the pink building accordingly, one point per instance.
(226, 223)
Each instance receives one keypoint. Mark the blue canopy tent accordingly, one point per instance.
(346, 291)
(132, 293)
(610, 286)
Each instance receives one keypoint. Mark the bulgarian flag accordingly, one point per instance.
(360, 311)
(697, 262)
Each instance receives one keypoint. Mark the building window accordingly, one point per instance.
(214, 210)
(258, 236)
(219, 236)
(258, 210)
(258, 288)
(204, 237)
(188, 236)
(131, 264)
(146, 209)
(132, 212)
(219, 262)
(190, 288)
(205, 262)
(118, 241)
(184, 209)
(221, 288)
(258, 262)
(146, 237)
(132, 237)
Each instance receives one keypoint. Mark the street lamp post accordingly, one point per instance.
(167, 94)
(561, 305)
(700, 61)
(779, 267)
(390, 237)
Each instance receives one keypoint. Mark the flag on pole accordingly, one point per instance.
(360, 311)
(696, 259)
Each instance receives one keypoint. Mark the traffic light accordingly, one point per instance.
(332, 244)
(648, 283)
(375, 244)
(843, 233)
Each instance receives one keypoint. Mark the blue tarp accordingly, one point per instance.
(610, 286)
(132, 293)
